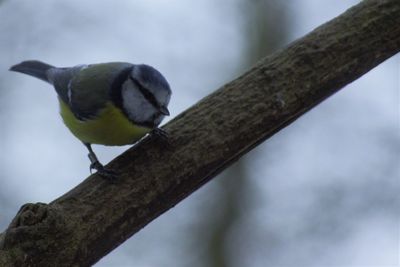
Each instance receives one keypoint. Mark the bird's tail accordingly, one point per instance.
(34, 68)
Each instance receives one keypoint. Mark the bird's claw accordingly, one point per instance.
(162, 136)
(160, 133)
(104, 172)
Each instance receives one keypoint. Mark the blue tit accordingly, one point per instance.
(110, 104)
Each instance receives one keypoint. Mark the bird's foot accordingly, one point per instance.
(104, 172)
(161, 133)
(162, 136)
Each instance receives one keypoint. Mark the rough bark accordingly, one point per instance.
(92, 219)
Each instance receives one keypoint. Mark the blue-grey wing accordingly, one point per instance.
(61, 79)
(87, 89)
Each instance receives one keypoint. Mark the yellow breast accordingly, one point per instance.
(110, 127)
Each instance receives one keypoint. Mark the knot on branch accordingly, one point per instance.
(36, 229)
(30, 214)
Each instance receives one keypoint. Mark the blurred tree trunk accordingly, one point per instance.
(6, 204)
(264, 29)
(92, 219)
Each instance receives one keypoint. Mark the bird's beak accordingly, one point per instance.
(164, 110)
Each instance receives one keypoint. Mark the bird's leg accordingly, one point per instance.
(95, 164)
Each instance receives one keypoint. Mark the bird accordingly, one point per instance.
(112, 104)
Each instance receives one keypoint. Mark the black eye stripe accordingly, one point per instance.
(146, 93)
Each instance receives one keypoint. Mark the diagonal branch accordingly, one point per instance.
(86, 223)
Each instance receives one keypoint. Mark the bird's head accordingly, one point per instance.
(145, 96)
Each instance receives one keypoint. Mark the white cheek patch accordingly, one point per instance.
(134, 103)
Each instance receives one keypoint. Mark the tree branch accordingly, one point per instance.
(86, 223)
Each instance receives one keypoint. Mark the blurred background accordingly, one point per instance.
(322, 192)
